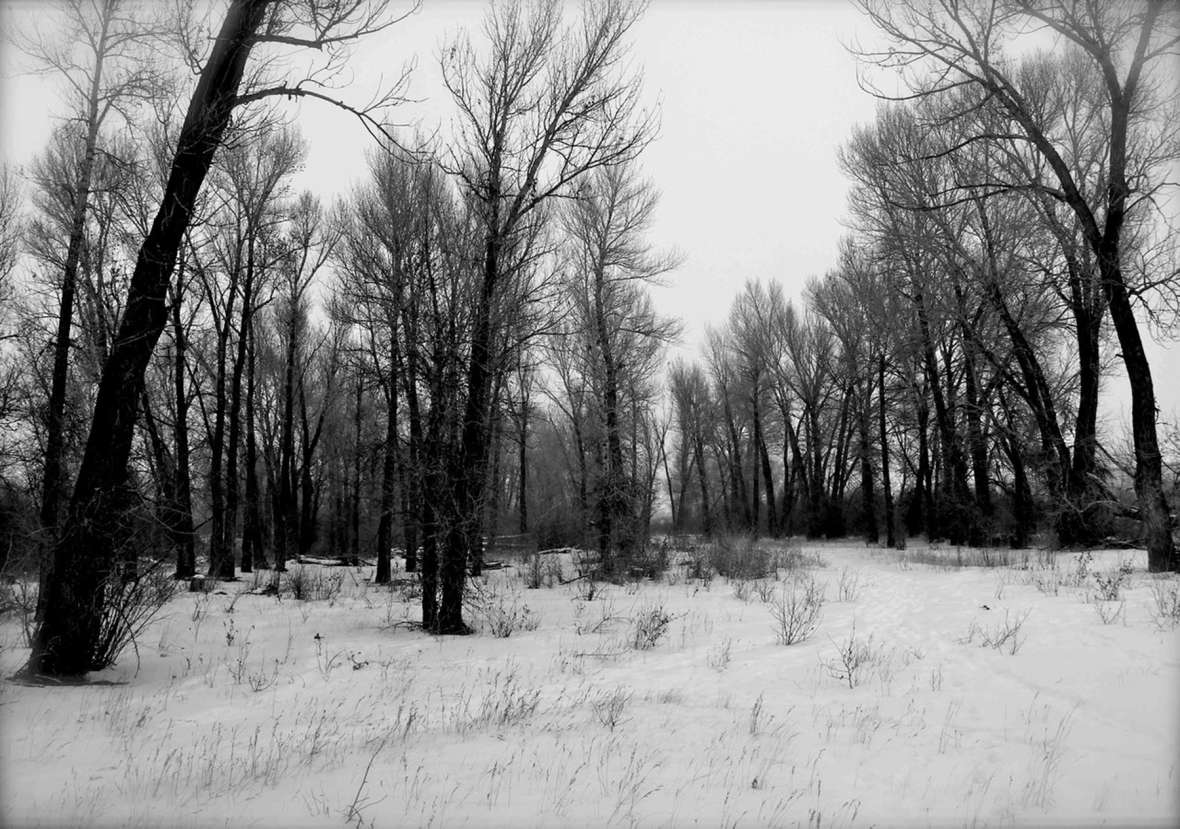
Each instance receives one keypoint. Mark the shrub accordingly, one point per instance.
(852, 657)
(796, 609)
(1003, 635)
(609, 707)
(500, 612)
(1110, 584)
(849, 587)
(719, 655)
(1165, 598)
(132, 600)
(650, 625)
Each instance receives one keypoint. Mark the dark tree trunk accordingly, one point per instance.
(354, 532)
(868, 495)
(388, 480)
(523, 462)
(66, 640)
(703, 481)
(1153, 504)
(186, 549)
(253, 537)
(890, 519)
(772, 521)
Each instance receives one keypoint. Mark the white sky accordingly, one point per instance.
(756, 98)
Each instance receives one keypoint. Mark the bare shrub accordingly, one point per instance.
(853, 656)
(743, 589)
(1110, 584)
(739, 557)
(849, 585)
(499, 611)
(132, 600)
(796, 609)
(765, 589)
(1165, 600)
(719, 655)
(1080, 574)
(1002, 636)
(650, 625)
(313, 583)
(1047, 580)
(1109, 612)
(609, 707)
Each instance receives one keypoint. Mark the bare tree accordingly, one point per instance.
(542, 107)
(611, 266)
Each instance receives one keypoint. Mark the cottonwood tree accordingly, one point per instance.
(950, 44)
(100, 53)
(68, 642)
(611, 265)
(539, 108)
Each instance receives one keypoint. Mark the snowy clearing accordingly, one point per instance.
(927, 694)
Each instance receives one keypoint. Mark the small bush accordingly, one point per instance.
(1165, 599)
(1110, 611)
(1003, 635)
(1081, 569)
(765, 589)
(1110, 584)
(499, 612)
(849, 586)
(609, 707)
(650, 625)
(1047, 580)
(719, 655)
(852, 658)
(795, 610)
(739, 557)
(314, 583)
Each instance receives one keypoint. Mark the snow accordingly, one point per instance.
(265, 711)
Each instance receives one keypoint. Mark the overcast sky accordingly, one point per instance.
(755, 99)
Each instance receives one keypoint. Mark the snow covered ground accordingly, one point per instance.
(252, 710)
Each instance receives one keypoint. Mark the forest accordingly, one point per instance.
(206, 372)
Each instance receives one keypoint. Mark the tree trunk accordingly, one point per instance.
(388, 481)
(1153, 505)
(186, 549)
(890, 519)
(253, 537)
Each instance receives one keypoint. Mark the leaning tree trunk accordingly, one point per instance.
(1153, 505)
(67, 639)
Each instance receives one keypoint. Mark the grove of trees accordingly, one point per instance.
(205, 371)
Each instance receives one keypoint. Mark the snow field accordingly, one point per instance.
(928, 694)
